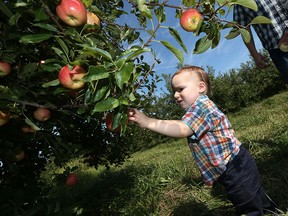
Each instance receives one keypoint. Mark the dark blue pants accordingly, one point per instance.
(242, 183)
(280, 60)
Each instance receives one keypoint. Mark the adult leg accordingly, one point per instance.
(242, 183)
(280, 60)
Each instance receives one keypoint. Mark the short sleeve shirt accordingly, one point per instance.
(213, 143)
(269, 34)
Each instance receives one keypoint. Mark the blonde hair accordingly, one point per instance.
(202, 75)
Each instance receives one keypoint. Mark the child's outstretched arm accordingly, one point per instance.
(172, 128)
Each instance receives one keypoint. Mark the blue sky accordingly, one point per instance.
(227, 55)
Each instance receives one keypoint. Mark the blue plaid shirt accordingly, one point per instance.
(269, 34)
(213, 143)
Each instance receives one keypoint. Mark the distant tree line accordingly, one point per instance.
(231, 91)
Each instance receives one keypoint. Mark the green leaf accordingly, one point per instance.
(123, 75)
(51, 83)
(202, 45)
(101, 93)
(177, 37)
(261, 20)
(63, 46)
(132, 97)
(34, 38)
(46, 26)
(232, 34)
(222, 2)
(107, 104)
(245, 35)
(4, 9)
(96, 73)
(246, 3)
(176, 52)
(96, 50)
(33, 126)
(134, 52)
(160, 13)
(144, 10)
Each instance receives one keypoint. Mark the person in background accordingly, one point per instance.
(269, 34)
(219, 155)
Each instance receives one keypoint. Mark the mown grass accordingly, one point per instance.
(165, 181)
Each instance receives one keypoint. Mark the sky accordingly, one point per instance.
(227, 55)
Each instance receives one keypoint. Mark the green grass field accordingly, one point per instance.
(165, 181)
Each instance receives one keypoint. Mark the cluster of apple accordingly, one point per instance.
(74, 13)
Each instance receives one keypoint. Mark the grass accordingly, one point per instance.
(165, 181)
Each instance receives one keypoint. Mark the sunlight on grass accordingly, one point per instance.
(164, 180)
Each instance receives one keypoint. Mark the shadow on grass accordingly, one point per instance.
(134, 190)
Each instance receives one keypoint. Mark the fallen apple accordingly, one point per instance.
(190, 19)
(72, 79)
(5, 68)
(4, 117)
(42, 114)
(72, 12)
(93, 19)
(72, 179)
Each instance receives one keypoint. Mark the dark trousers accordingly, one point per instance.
(280, 59)
(242, 183)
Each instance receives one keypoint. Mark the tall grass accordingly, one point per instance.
(165, 181)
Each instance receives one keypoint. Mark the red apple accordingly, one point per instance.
(42, 114)
(109, 123)
(72, 179)
(283, 42)
(72, 79)
(72, 12)
(20, 155)
(5, 68)
(4, 117)
(93, 19)
(28, 129)
(190, 19)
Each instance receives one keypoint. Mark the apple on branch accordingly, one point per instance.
(93, 19)
(72, 79)
(283, 42)
(72, 179)
(5, 68)
(4, 117)
(109, 123)
(42, 114)
(190, 19)
(72, 12)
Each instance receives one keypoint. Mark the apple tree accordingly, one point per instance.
(63, 71)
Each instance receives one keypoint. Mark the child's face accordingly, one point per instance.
(187, 87)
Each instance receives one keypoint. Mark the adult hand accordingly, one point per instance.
(260, 60)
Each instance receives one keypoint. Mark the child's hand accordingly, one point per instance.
(138, 117)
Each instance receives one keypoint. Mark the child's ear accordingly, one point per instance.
(202, 87)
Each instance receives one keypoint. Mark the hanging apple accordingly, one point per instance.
(4, 118)
(42, 114)
(93, 19)
(72, 79)
(5, 68)
(190, 20)
(72, 179)
(72, 12)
